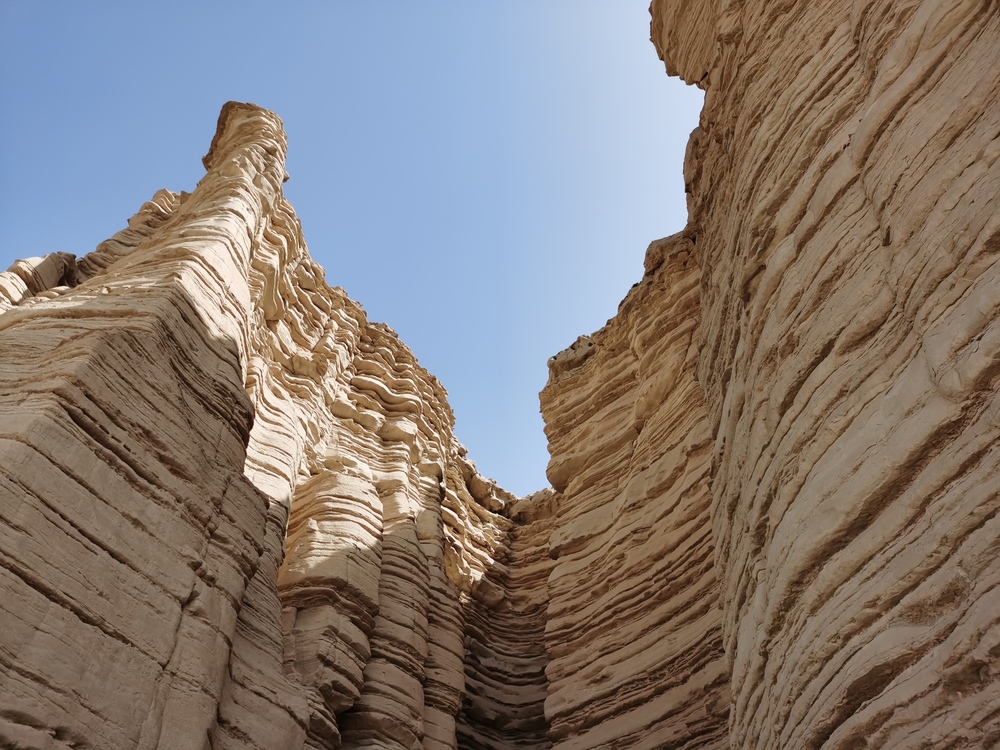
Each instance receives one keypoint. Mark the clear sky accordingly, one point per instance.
(482, 176)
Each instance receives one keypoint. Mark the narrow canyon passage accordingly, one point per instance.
(234, 514)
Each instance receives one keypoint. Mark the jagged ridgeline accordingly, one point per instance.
(233, 512)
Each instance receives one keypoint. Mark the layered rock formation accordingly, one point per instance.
(233, 513)
(843, 202)
(634, 626)
(168, 405)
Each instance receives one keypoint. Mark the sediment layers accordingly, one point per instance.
(634, 627)
(233, 513)
(170, 404)
(843, 200)
(505, 649)
(131, 532)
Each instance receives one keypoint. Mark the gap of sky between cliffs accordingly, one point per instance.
(482, 177)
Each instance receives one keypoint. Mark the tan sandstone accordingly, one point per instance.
(168, 404)
(233, 512)
(843, 193)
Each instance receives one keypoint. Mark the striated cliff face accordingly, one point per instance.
(843, 202)
(233, 513)
(168, 405)
(634, 631)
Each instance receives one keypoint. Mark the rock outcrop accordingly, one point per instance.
(233, 513)
(634, 632)
(168, 405)
(843, 202)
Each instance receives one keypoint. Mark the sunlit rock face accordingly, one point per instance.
(233, 513)
(174, 402)
(843, 204)
(634, 630)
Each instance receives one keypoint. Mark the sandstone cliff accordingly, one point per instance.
(634, 627)
(843, 202)
(233, 513)
(168, 405)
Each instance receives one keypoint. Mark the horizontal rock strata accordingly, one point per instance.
(233, 513)
(505, 656)
(169, 405)
(843, 199)
(634, 630)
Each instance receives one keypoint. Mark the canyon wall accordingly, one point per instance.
(233, 513)
(843, 203)
(168, 406)
(634, 632)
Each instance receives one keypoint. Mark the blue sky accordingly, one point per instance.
(483, 177)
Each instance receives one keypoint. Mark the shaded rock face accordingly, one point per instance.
(233, 513)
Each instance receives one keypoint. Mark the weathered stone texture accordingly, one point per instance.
(132, 532)
(634, 628)
(842, 195)
(233, 513)
(505, 654)
(169, 404)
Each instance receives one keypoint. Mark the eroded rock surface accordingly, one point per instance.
(168, 405)
(634, 630)
(843, 199)
(233, 513)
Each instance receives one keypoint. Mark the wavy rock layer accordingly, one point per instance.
(843, 190)
(168, 406)
(634, 631)
(233, 513)
(505, 679)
